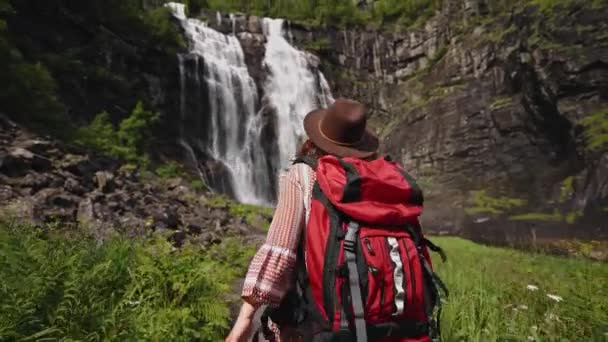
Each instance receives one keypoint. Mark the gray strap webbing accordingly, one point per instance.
(353, 278)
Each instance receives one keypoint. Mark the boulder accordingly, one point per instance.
(73, 186)
(18, 161)
(104, 181)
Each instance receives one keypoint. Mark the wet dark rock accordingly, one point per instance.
(72, 185)
(36, 181)
(194, 229)
(166, 217)
(178, 238)
(18, 161)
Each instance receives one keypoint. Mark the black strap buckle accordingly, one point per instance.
(350, 246)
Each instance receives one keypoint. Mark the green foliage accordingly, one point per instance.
(197, 185)
(566, 189)
(129, 142)
(556, 216)
(437, 56)
(122, 289)
(334, 13)
(28, 91)
(256, 216)
(404, 13)
(490, 300)
(501, 102)
(162, 31)
(135, 131)
(170, 169)
(553, 217)
(596, 130)
(100, 134)
(319, 45)
(486, 204)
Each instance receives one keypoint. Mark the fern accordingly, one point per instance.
(138, 289)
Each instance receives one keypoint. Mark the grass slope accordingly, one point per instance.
(490, 299)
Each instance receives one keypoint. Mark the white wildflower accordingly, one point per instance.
(530, 338)
(532, 287)
(134, 302)
(534, 328)
(555, 297)
(523, 307)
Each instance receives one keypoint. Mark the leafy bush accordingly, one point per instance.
(170, 170)
(122, 289)
(129, 142)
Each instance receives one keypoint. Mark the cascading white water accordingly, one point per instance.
(218, 103)
(232, 96)
(293, 89)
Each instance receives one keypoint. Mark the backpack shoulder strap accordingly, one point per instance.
(308, 160)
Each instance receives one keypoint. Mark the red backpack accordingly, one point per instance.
(363, 270)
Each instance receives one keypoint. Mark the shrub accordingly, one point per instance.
(170, 170)
(129, 142)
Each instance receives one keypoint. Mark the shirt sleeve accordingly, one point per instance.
(270, 273)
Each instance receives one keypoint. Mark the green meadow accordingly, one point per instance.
(507, 295)
(68, 287)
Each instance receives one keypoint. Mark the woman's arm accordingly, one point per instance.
(270, 272)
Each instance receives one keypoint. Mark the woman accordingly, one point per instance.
(339, 130)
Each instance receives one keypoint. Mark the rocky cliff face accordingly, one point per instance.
(483, 104)
(485, 108)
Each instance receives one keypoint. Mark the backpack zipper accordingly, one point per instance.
(374, 270)
(381, 293)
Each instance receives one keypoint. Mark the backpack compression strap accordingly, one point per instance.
(350, 245)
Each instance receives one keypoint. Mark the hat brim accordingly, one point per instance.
(366, 147)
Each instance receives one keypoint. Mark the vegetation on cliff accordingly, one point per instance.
(332, 13)
(36, 64)
(28, 88)
(596, 130)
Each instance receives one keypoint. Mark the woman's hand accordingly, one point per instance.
(242, 328)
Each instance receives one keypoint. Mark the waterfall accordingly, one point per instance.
(215, 69)
(221, 124)
(292, 87)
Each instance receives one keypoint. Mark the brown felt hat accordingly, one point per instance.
(341, 129)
